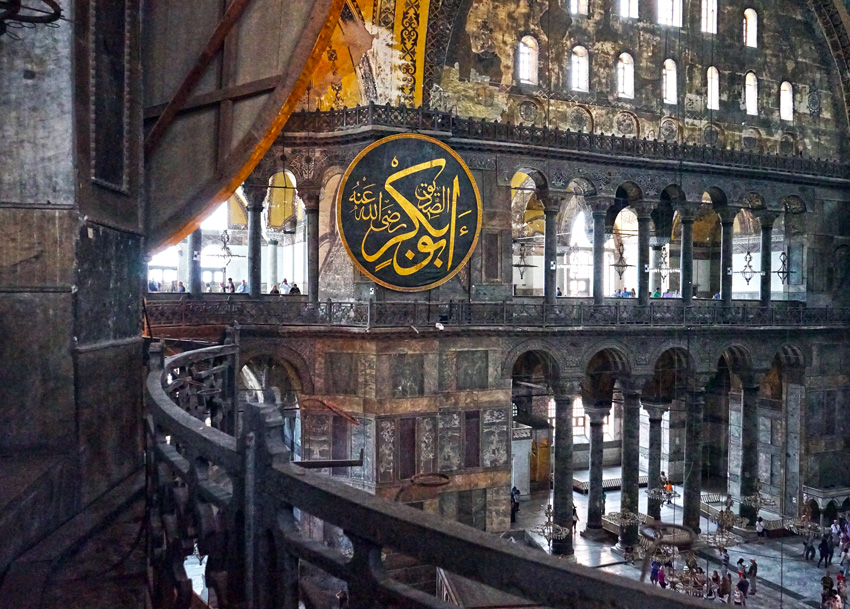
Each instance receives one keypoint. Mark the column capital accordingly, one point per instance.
(642, 209)
(658, 242)
(655, 410)
(599, 204)
(727, 214)
(765, 217)
(597, 414)
(566, 389)
(687, 210)
(309, 193)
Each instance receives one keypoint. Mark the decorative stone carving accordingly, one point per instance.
(712, 135)
(788, 144)
(751, 138)
(528, 111)
(626, 124)
(580, 119)
(814, 100)
(668, 131)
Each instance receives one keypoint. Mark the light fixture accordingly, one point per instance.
(748, 272)
(522, 264)
(15, 15)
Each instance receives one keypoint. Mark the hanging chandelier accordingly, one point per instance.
(15, 15)
(549, 530)
(663, 268)
(522, 264)
(757, 500)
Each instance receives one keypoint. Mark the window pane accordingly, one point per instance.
(670, 12)
(669, 82)
(709, 16)
(625, 76)
(786, 102)
(750, 28)
(629, 9)
(579, 69)
(751, 94)
(713, 93)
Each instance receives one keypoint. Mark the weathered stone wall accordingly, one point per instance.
(481, 80)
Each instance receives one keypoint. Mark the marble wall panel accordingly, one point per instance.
(494, 444)
(448, 426)
(341, 373)
(472, 369)
(387, 439)
(498, 509)
(426, 436)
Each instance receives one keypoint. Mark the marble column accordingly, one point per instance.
(563, 482)
(255, 248)
(598, 256)
(657, 244)
(196, 285)
(310, 197)
(749, 448)
(726, 234)
(656, 415)
(595, 507)
(630, 465)
(766, 222)
(693, 459)
(550, 255)
(686, 260)
(272, 247)
(643, 257)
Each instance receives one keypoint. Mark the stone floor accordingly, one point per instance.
(785, 579)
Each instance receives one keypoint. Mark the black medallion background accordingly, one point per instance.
(409, 212)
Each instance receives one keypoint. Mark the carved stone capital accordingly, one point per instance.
(599, 204)
(687, 210)
(766, 218)
(310, 194)
(597, 414)
(567, 389)
(655, 410)
(727, 214)
(657, 243)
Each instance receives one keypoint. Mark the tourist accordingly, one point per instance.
(180, 287)
(295, 289)
(759, 527)
(230, 288)
(514, 503)
(662, 578)
(153, 286)
(743, 587)
(826, 583)
(274, 290)
(713, 586)
(284, 287)
(728, 502)
(634, 294)
(656, 294)
(841, 586)
(823, 550)
(751, 574)
(243, 287)
(575, 520)
(742, 570)
(809, 546)
(559, 293)
(724, 561)
(725, 588)
(653, 573)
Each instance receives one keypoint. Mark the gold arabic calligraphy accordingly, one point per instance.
(401, 219)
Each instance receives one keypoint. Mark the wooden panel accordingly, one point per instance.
(274, 39)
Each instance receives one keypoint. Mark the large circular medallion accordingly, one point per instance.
(409, 212)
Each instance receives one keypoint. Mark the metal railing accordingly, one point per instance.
(566, 313)
(435, 121)
(237, 498)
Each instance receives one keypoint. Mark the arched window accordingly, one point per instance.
(713, 89)
(751, 93)
(786, 101)
(578, 7)
(629, 9)
(578, 70)
(626, 76)
(709, 16)
(670, 12)
(527, 53)
(751, 21)
(671, 95)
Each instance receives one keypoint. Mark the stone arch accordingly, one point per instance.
(606, 366)
(792, 204)
(738, 359)
(791, 356)
(629, 191)
(538, 346)
(753, 201)
(716, 196)
(283, 353)
(582, 187)
(671, 365)
(673, 193)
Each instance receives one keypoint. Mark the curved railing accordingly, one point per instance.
(565, 313)
(233, 497)
(421, 119)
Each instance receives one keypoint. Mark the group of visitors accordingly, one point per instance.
(156, 286)
(285, 288)
(666, 294)
(836, 539)
(834, 594)
(624, 293)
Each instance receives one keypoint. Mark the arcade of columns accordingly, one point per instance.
(597, 410)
